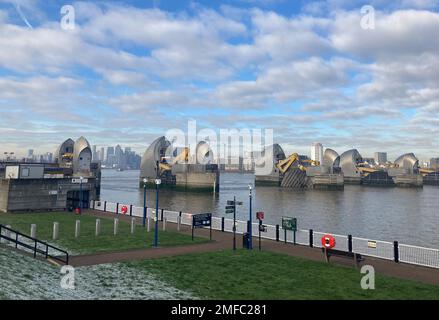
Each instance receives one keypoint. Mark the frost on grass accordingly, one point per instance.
(22, 277)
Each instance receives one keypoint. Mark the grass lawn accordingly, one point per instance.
(264, 276)
(87, 242)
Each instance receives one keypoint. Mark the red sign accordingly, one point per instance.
(260, 215)
(328, 241)
(124, 209)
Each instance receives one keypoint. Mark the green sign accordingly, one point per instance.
(289, 223)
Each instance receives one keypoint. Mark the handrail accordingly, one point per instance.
(34, 247)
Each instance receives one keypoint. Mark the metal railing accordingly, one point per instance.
(34, 245)
(394, 251)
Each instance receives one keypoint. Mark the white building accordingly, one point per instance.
(317, 152)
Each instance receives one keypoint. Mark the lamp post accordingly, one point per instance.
(250, 240)
(80, 194)
(156, 231)
(145, 181)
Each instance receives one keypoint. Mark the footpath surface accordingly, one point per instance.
(224, 240)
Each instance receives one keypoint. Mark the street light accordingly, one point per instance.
(145, 181)
(250, 241)
(80, 194)
(157, 183)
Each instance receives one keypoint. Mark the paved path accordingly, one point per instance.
(224, 240)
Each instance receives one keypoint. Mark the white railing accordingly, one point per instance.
(374, 248)
(419, 255)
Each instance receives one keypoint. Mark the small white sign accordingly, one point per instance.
(53, 192)
(76, 180)
(372, 244)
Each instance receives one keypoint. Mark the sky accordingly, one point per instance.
(125, 72)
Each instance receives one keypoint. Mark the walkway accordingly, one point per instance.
(224, 240)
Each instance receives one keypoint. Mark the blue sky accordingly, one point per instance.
(130, 70)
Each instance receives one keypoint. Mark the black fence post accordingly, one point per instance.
(311, 238)
(222, 224)
(277, 233)
(94, 204)
(161, 215)
(248, 226)
(350, 243)
(131, 209)
(105, 206)
(396, 251)
(117, 208)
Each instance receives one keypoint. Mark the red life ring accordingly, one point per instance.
(328, 241)
(124, 209)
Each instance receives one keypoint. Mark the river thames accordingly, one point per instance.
(408, 215)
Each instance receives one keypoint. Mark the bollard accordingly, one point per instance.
(133, 225)
(98, 227)
(77, 228)
(55, 234)
(116, 226)
(33, 230)
(178, 223)
(164, 224)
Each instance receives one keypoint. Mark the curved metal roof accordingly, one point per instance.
(155, 151)
(204, 153)
(81, 149)
(331, 158)
(349, 161)
(65, 147)
(407, 161)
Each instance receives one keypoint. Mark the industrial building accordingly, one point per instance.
(72, 181)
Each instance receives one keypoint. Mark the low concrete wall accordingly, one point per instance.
(40, 194)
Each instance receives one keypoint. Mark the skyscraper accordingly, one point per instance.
(93, 153)
(102, 155)
(317, 152)
(110, 153)
(380, 157)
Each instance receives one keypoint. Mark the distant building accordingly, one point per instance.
(317, 152)
(30, 153)
(434, 163)
(380, 157)
(94, 153)
(102, 154)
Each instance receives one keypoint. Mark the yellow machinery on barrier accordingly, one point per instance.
(182, 157)
(284, 165)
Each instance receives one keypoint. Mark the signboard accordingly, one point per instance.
(260, 215)
(230, 209)
(202, 220)
(231, 203)
(289, 223)
(372, 244)
(77, 180)
(262, 228)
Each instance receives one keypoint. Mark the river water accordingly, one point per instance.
(410, 216)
